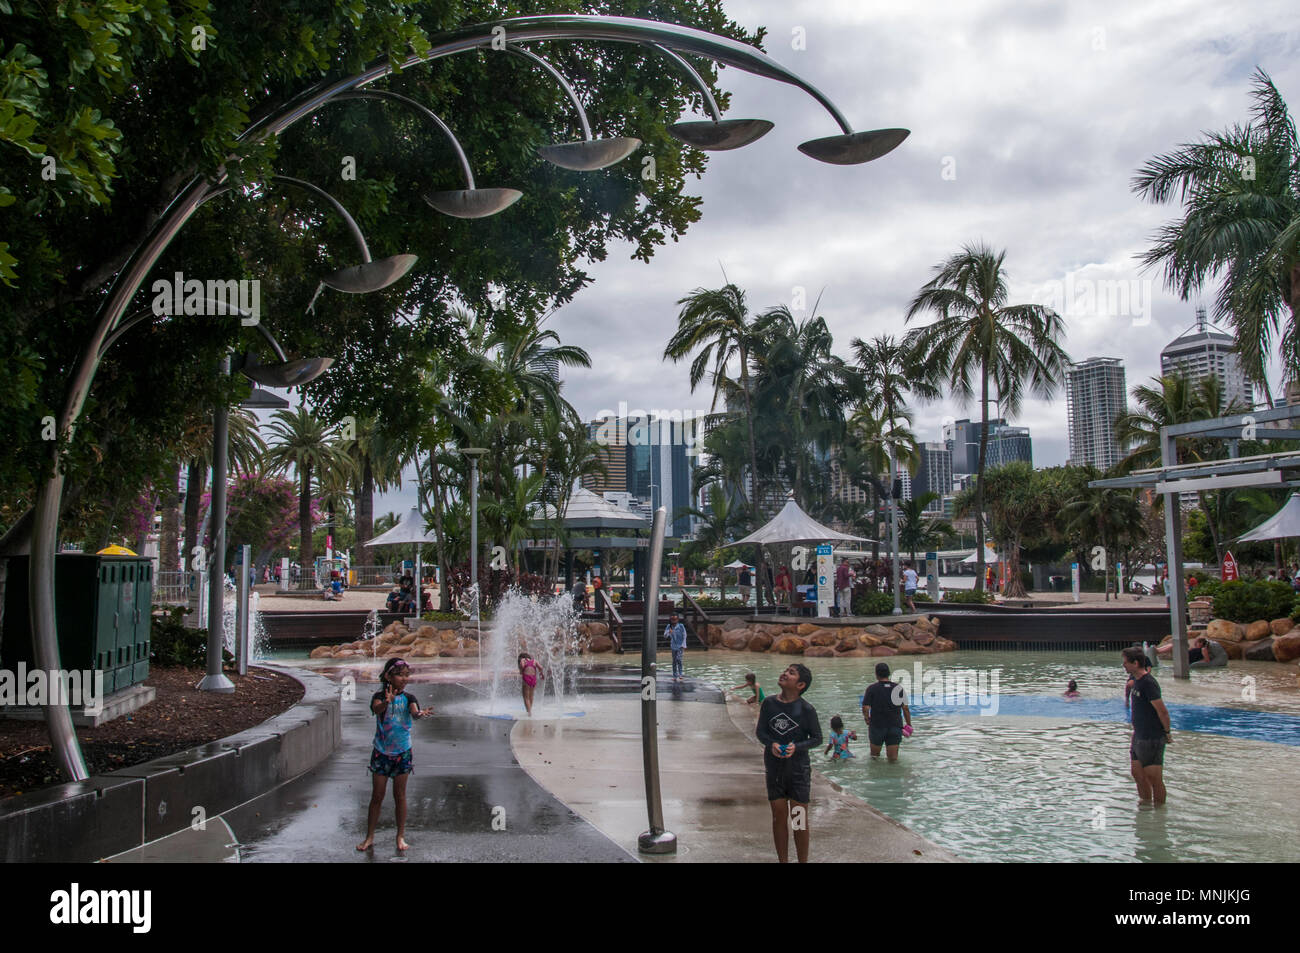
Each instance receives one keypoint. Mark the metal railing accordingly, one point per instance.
(173, 588)
(699, 615)
(612, 617)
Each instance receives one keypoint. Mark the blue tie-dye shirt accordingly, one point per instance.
(393, 727)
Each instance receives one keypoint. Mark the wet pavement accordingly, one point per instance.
(468, 800)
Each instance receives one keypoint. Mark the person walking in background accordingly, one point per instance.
(743, 584)
(675, 633)
(579, 597)
(843, 588)
(783, 586)
(909, 585)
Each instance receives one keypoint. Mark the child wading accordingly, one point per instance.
(529, 672)
(840, 739)
(394, 707)
(788, 729)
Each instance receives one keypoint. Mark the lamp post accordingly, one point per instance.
(473, 453)
(893, 527)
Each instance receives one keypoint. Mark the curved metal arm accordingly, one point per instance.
(710, 103)
(428, 114)
(135, 319)
(559, 78)
(351, 222)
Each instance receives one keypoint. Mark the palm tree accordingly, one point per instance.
(306, 443)
(377, 460)
(1111, 513)
(245, 449)
(918, 530)
(978, 335)
(715, 325)
(719, 523)
(1241, 195)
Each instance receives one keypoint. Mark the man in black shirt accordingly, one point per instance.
(788, 728)
(884, 707)
(1150, 730)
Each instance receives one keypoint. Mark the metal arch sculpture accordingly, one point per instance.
(848, 147)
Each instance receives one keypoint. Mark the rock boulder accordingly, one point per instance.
(790, 645)
(819, 651)
(1235, 650)
(883, 650)
(1286, 648)
(1258, 630)
(760, 642)
(1258, 650)
(1281, 626)
(601, 643)
(736, 639)
(853, 653)
(734, 623)
(1221, 630)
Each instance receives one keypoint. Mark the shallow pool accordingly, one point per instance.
(1046, 779)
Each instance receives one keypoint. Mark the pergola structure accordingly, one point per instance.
(1171, 479)
(590, 511)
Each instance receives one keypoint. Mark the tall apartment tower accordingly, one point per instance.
(1095, 395)
(1202, 351)
(610, 435)
(934, 474)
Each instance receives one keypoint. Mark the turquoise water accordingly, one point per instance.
(1046, 779)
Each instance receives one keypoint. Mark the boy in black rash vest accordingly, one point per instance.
(788, 729)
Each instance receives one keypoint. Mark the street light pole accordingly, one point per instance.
(893, 527)
(215, 680)
(473, 453)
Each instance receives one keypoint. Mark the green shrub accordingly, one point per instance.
(713, 602)
(873, 603)
(1242, 601)
(967, 597)
(171, 644)
(921, 596)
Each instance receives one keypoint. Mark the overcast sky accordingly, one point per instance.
(1028, 121)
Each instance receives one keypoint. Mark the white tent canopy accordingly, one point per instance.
(989, 557)
(409, 529)
(736, 564)
(588, 510)
(1283, 524)
(793, 525)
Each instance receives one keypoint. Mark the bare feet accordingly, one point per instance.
(366, 844)
(402, 845)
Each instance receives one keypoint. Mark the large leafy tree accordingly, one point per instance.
(1240, 191)
(978, 340)
(130, 102)
(305, 443)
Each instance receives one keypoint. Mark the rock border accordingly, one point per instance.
(86, 821)
(809, 639)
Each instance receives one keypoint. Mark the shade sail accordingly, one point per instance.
(1283, 524)
(793, 525)
(587, 510)
(409, 529)
(737, 564)
(989, 557)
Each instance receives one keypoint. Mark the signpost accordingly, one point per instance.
(1074, 580)
(932, 575)
(1229, 570)
(825, 579)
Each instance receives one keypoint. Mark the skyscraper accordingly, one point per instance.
(1202, 351)
(962, 438)
(1006, 445)
(610, 435)
(1094, 396)
(646, 458)
(934, 474)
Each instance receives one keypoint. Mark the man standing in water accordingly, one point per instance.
(1150, 730)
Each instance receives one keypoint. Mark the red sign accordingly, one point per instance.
(1229, 569)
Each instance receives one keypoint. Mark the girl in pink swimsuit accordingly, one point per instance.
(531, 672)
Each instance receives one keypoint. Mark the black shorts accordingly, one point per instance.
(390, 766)
(790, 780)
(884, 735)
(1147, 751)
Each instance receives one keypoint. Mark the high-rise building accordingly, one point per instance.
(646, 458)
(1203, 351)
(962, 438)
(934, 475)
(1094, 396)
(1007, 445)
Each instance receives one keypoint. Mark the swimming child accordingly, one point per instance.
(840, 740)
(530, 672)
(394, 707)
(1072, 689)
(751, 682)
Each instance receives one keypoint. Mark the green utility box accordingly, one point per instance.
(103, 607)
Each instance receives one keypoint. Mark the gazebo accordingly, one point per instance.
(590, 511)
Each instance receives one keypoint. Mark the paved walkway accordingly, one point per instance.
(714, 796)
(572, 788)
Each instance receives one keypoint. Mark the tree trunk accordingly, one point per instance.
(306, 552)
(979, 479)
(444, 590)
(196, 477)
(365, 503)
(169, 538)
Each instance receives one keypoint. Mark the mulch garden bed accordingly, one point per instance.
(180, 717)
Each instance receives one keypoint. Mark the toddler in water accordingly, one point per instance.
(394, 707)
(751, 683)
(530, 672)
(1072, 689)
(840, 740)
